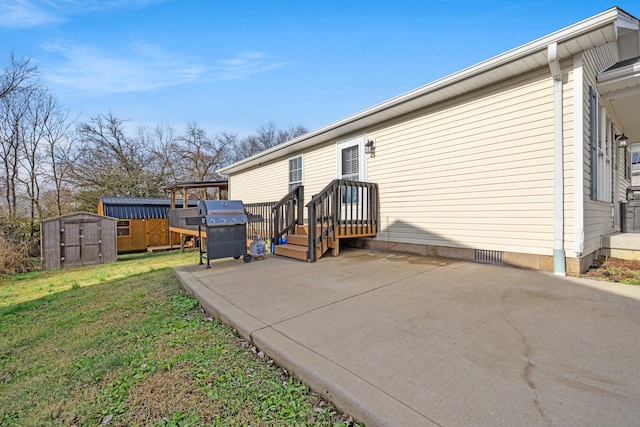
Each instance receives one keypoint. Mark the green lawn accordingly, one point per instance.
(123, 345)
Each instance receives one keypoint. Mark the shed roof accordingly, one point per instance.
(137, 208)
(81, 215)
(591, 32)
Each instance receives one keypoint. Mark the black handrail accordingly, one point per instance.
(263, 228)
(288, 213)
(342, 208)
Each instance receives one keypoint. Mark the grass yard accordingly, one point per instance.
(123, 345)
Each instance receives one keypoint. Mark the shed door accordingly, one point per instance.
(80, 243)
(91, 243)
(156, 232)
(71, 244)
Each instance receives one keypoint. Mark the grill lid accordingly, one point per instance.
(220, 207)
(222, 212)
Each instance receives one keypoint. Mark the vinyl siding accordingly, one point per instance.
(270, 182)
(473, 172)
(476, 172)
(266, 183)
(598, 216)
(568, 157)
(321, 169)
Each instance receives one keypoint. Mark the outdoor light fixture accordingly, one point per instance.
(370, 147)
(623, 141)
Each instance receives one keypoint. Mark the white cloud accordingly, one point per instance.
(141, 66)
(33, 13)
(25, 13)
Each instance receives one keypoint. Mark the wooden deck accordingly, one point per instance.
(297, 243)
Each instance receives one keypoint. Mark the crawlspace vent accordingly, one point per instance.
(489, 257)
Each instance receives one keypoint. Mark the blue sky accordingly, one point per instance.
(236, 65)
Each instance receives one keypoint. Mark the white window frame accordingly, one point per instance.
(362, 158)
(601, 151)
(293, 184)
(605, 147)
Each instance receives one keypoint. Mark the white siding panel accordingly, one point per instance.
(568, 158)
(476, 172)
(267, 183)
(598, 216)
(320, 169)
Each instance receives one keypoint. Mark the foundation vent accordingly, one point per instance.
(489, 257)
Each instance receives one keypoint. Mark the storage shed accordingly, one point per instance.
(77, 239)
(142, 222)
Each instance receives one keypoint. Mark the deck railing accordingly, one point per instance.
(288, 213)
(263, 228)
(342, 208)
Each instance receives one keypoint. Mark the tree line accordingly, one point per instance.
(52, 163)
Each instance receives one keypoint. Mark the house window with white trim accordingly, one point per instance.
(604, 158)
(635, 165)
(601, 149)
(295, 172)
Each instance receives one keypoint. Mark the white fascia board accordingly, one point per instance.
(393, 107)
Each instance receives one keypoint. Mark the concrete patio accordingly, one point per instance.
(411, 341)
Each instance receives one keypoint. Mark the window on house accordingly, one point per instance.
(601, 149)
(627, 163)
(635, 164)
(350, 168)
(295, 172)
(124, 228)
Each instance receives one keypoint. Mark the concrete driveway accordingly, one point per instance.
(411, 341)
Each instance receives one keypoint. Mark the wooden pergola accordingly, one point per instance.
(184, 187)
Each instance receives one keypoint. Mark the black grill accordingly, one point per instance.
(226, 229)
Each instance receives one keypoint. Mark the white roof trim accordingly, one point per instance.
(586, 34)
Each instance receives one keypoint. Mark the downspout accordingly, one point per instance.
(559, 262)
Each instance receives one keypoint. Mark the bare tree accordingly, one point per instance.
(267, 136)
(17, 76)
(58, 141)
(108, 162)
(201, 155)
(17, 82)
(161, 143)
(13, 109)
(197, 157)
(37, 109)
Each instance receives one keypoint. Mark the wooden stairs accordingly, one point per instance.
(297, 245)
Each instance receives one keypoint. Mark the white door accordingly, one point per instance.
(351, 167)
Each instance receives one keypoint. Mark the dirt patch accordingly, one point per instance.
(168, 392)
(615, 270)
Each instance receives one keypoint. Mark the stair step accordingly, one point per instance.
(292, 251)
(298, 239)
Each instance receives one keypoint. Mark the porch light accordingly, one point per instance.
(623, 141)
(370, 147)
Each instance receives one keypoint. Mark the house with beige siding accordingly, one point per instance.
(522, 159)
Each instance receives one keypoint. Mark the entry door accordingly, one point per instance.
(156, 232)
(351, 167)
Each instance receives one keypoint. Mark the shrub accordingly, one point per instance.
(14, 257)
